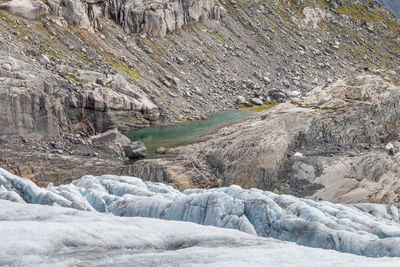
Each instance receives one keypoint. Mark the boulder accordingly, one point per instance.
(390, 149)
(276, 94)
(112, 139)
(256, 101)
(135, 150)
(161, 150)
(30, 9)
(240, 100)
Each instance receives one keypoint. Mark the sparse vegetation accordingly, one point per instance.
(120, 67)
(6, 19)
(72, 77)
(220, 37)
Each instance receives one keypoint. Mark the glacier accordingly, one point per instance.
(37, 235)
(371, 230)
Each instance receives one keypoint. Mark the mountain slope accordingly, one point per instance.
(62, 76)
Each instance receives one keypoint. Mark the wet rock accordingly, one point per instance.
(161, 150)
(135, 150)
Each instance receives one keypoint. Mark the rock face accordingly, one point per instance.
(158, 19)
(365, 176)
(73, 11)
(35, 103)
(25, 107)
(364, 229)
(152, 18)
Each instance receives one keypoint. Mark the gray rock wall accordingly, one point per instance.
(135, 16)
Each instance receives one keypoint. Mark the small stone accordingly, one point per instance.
(198, 90)
(240, 100)
(286, 83)
(167, 83)
(7, 66)
(161, 150)
(390, 149)
(298, 154)
(256, 101)
(351, 154)
(100, 82)
(203, 117)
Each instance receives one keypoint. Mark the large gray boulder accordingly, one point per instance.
(112, 139)
(135, 150)
(30, 9)
(256, 101)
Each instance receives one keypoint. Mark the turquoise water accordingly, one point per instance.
(184, 133)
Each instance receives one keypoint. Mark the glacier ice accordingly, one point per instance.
(37, 235)
(363, 229)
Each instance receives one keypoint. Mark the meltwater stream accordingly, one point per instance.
(184, 133)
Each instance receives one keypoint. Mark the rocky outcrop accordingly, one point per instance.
(73, 11)
(35, 103)
(25, 107)
(158, 19)
(152, 18)
(362, 175)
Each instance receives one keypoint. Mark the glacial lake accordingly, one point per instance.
(184, 133)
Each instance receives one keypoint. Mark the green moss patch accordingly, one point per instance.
(258, 108)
